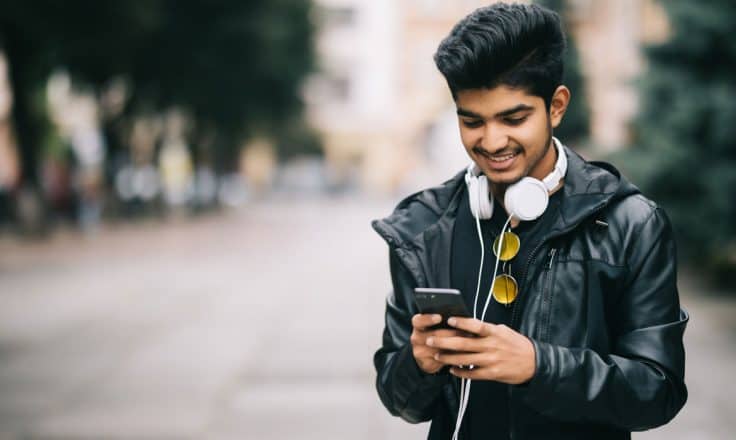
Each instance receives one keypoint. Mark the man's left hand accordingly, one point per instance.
(496, 352)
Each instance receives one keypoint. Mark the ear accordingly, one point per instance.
(558, 105)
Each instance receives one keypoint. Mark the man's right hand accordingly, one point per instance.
(424, 354)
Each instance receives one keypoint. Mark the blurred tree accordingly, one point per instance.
(685, 135)
(575, 127)
(235, 66)
(95, 40)
(38, 36)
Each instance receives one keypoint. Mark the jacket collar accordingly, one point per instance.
(588, 188)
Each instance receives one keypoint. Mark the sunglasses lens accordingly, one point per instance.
(505, 289)
(509, 247)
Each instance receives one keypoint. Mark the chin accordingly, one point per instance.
(504, 177)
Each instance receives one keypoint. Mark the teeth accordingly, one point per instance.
(502, 158)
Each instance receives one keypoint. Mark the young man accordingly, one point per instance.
(589, 344)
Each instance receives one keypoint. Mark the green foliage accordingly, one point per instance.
(685, 134)
(235, 66)
(576, 124)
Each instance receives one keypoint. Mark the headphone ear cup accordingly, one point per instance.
(481, 203)
(527, 199)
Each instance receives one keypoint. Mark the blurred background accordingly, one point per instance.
(186, 191)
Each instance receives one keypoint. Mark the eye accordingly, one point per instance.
(515, 121)
(472, 123)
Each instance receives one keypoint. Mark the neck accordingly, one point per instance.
(541, 170)
(546, 164)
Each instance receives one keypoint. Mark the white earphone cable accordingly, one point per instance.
(486, 210)
(495, 269)
(465, 383)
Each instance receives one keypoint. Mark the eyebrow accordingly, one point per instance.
(520, 107)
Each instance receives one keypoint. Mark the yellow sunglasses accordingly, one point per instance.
(505, 247)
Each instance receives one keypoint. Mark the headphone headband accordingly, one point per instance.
(557, 174)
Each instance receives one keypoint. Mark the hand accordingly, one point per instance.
(496, 352)
(424, 355)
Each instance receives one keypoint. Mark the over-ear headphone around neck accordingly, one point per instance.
(526, 199)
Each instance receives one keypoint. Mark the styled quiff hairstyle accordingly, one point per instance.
(517, 45)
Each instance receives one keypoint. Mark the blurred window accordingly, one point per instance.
(580, 10)
(338, 16)
(329, 88)
(339, 86)
(428, 8)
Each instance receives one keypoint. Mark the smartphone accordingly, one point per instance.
(445, 302)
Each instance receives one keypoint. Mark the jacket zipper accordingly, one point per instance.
(513, 319)
(513, 313)
(547, 296)
(539, 245)
(532, 255)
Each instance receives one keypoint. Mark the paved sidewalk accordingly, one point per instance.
(258, 324)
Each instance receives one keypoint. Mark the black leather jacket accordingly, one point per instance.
(600, 305)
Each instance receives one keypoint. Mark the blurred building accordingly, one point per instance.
(609, 35)
(378, 94)
(385, 113)
(9, 164)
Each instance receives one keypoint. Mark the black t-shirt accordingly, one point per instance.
(488, 407)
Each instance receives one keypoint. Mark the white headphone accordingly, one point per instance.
(526, 199)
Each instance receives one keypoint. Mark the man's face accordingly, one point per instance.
(507, 132)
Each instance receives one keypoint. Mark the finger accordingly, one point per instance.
(467, 373)
(427, 363)
(422, 321)
(425, 351)
(447, 333)
(425, 354)
(417, 338)
(461, 358)
(457, 343)
(471, 325)
(425, 357)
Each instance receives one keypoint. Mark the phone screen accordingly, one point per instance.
(445, 302)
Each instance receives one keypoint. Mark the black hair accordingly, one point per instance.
(517, 45)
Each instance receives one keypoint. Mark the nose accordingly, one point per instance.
(494, 139)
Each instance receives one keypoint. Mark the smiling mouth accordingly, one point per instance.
(496, 157)
(498, 162)
(503, 158)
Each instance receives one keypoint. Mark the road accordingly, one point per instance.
(254, 324)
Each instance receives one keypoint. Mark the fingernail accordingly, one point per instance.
(436, 356)
(452, 321)
(436, 318)
(430, 341)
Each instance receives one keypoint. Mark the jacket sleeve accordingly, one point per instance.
(404, 389)
(640, 384)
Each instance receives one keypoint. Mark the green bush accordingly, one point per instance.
(684, 150)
